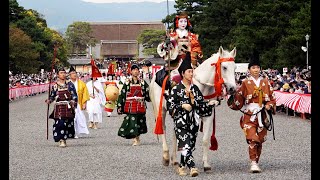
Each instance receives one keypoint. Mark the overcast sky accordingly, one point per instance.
(122, 1)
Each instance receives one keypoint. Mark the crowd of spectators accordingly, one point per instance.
(296, 80)
(27, 80)
(23, 80)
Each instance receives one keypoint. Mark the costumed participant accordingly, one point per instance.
(112, 94)
(64, 94)
(182, 40)
(80, 120)
(186, 105)
(254, 96)
(111, 68)
(96, 103)
(131, 102)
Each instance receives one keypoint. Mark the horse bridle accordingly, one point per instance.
(218, 80)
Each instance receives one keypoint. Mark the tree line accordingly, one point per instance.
(32, 43)
(274, 28)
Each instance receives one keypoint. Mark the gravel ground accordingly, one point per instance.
(104, 155)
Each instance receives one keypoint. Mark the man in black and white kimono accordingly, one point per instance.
(186, 105)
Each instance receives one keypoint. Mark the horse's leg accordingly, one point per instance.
(207, 124)
(174, 161)
(165, 149)
(155, 95)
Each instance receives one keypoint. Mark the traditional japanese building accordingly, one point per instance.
(115, 41)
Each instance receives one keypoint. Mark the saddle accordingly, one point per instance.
(160, 75)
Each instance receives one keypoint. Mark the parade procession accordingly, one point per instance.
(163, 99)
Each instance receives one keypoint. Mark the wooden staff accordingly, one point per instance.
(49, 91)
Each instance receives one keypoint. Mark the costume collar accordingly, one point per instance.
(182, 33)
(191, 84)
(256, 82)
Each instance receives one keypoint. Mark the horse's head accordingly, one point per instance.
(227, 66)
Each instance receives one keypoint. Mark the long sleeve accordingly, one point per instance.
(202, 106)
(53, 93)
(145, 90)
(73, 91)
(122, 97)
(85, 93)
(173, 103)
(270, 97)
(102, 96)
(237, 100)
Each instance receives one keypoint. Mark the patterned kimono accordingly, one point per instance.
(133, 124)
(186, 124)
(63, 127)
(251, 97)
(181, 41)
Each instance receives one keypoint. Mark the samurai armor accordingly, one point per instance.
(135, 101)
(62, 110)
(135, 106)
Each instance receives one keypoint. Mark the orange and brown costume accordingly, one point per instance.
(250, 98)
(179, 47)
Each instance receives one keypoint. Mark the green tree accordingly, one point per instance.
(35, 27)
(58, 40)
(214, 25)
(15, 11)
(150, 39)
(43, 38)
(261, 25)
(22, 56)
(78, 36)
(289, 49)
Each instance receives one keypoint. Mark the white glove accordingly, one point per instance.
(213, 102)
(187, 107)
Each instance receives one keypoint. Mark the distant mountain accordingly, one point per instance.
(61, 13)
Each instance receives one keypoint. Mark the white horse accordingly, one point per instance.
(204, 77)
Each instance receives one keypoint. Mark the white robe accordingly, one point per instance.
(80, 120)
(95, 105)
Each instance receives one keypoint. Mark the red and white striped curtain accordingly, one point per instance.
(298, 102)
(15, 93)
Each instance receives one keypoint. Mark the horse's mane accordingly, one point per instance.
(204, 65)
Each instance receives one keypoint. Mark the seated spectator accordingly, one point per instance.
(299, 89)
(286, 87)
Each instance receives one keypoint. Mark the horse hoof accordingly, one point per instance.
(207, 169)
(175, 164)
(165, 162)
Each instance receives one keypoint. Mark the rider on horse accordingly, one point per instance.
(181, 40)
